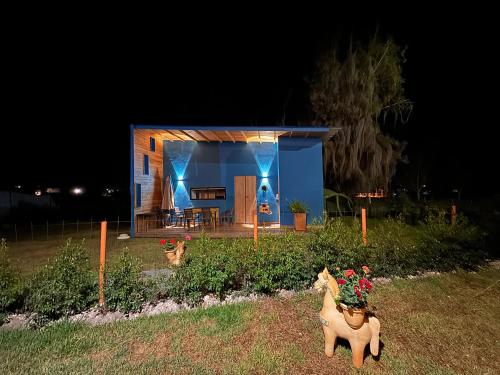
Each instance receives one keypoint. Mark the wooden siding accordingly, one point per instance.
(151, 185)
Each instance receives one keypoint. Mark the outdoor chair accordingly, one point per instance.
(160, 217)
(228, 216)
(189, 217)
(179, 216)
(206, 216)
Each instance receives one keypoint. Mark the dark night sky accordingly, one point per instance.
(70, 89)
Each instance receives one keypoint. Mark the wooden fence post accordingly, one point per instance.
(102, 261)
(453, 215)
(363, 225)
(255, 231)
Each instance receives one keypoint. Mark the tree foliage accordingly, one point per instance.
(355, 95)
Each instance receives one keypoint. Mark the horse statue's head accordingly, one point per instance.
(327, 282)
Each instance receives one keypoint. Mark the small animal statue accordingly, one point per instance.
(334, 324)
(174, 256)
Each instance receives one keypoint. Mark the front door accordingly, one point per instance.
(245, 198)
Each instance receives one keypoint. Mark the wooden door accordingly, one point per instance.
(250, 198)
(239, 199)
(245, 198)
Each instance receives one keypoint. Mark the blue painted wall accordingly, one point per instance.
(201, 164)
(301, 176)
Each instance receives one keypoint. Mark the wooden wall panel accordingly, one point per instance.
(151, 185)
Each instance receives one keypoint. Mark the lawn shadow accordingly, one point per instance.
(345, 344)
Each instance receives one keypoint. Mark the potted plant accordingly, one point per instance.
(168, 248)
(174, 249)
(354, 288)
(299, 210)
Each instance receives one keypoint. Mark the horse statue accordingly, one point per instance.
(174, 256)
(334, 324)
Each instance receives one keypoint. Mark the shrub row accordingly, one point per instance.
(67, 284)
(292, 261)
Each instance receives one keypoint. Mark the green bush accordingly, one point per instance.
(215, 266)
(292, 261)
(65, 286)
(8, 281)
(125, 290)
(281, 262)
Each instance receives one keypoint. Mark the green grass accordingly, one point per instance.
(29, 256)
(440, 325)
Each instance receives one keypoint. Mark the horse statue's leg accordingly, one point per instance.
(358, 350)
(330, 338)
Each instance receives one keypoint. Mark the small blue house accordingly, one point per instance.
(236, 169)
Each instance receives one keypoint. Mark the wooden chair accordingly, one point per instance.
(189, 217)
(179, 216)
(206, 216)
(228, 216)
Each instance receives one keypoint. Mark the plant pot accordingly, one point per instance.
(300, 221)
(353, 316)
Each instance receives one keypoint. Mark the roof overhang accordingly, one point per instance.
(233, 133)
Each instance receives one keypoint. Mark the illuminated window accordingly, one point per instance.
(152, 144)
(146, 165)
(208, 193)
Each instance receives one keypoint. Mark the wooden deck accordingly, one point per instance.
(220, 231)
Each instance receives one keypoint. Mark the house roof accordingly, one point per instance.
(233, 133)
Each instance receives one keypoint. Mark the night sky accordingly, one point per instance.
(70, 89)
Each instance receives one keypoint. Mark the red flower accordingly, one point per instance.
(172, 241)
(356, 290)
(349, 273)
(187, 237)
(366, 269)
(364, 283)
(163, 242)
(341, 281)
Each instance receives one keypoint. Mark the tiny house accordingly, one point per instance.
(236, 169)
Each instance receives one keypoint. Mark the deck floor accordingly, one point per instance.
(220, 231)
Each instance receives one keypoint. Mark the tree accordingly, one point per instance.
(354, 97)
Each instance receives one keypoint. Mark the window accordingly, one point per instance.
(138, 195)
(206, 193)
(152, 144)
(146, 165)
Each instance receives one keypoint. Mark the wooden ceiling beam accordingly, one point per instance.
(201, 135)
(244, 136)
(230, 136)
(187, 135)
(173, 135)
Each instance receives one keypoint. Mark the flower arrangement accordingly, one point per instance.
(169, 245)
(354, 287)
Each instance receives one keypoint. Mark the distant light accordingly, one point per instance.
(77, 191)
(38, 193)
(53, 190)
(18, 186)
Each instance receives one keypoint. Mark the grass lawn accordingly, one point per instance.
(439, 325)
(29, 256)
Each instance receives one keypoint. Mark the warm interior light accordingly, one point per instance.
(262, 138)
